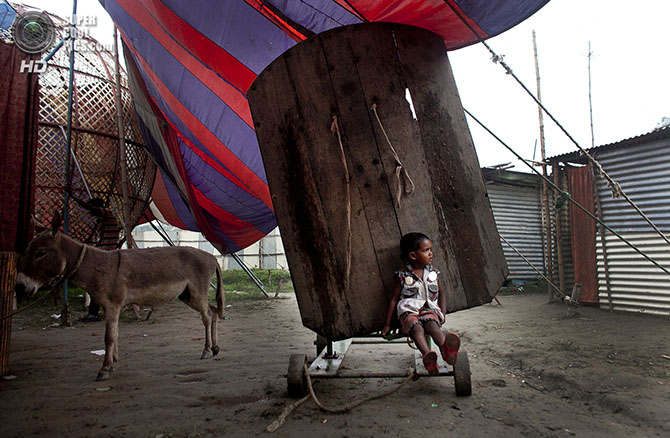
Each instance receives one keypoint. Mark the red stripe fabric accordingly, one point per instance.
(241, 232)
(162, 200)
(233, 97)
(208, 52)
(205, 136)
(278, 21)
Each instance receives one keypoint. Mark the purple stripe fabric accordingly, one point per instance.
(496, 16)
(315, 15)
(236, 27)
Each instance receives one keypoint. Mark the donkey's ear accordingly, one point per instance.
(56, 222)
(37, 227)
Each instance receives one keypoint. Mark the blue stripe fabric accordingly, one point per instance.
(496, 16)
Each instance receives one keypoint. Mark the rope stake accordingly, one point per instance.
(402, 176)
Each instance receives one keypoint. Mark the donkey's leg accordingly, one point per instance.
(207, 322)
(213, 314)
(111, 342)
(198, 302)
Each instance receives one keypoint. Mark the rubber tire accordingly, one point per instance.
(297, 381)
(462, 375)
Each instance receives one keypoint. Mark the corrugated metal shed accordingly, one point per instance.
(515, 199)
(642, 166)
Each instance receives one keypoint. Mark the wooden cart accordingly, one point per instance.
(364, 139)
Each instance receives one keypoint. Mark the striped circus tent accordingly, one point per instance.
(191, 64)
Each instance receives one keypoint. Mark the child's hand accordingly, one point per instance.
(386, 330)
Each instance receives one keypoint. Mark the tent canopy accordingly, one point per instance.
(191, 66)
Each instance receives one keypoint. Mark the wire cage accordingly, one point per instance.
(95, 160)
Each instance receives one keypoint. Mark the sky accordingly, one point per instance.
(630, 75)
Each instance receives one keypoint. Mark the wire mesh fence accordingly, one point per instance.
(94, 166)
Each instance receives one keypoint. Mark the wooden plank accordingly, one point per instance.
(368, 173)
(7, 278)
(326, 305)
(457, 185)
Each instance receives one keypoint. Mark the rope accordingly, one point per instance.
(335, 128)
(400, 171)
(340, 410)
(282, 418)
(26, 307)
(616, 188)
(346, 408)
(561, 293)
(567, 195)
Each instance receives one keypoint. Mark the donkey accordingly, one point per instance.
(145, 277)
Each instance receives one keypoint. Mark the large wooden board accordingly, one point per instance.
(342, 73)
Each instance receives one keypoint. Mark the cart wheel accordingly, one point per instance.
(462, 379)
(321, 342)
(297, 381)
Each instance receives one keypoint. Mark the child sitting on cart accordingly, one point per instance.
(420, 302)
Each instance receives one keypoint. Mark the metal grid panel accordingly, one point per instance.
(95, 141)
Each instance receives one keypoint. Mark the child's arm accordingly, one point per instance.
(392, 306)
(442, 301)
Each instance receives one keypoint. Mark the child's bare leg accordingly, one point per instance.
(434, 331)
(418, 335)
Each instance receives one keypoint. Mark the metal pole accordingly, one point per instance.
(250, 273)
(122, 146)
(68, 145)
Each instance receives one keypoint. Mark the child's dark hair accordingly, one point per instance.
(411, 242)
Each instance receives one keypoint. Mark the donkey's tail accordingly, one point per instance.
(220, 298)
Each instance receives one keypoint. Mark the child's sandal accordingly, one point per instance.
(449, 348)
(430, 362)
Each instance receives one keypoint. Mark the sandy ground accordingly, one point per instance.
(535, 373)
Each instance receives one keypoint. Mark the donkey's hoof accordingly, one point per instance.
(215, 350)
(102, 375)
(205, 355)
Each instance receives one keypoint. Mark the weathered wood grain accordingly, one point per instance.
(342, 73)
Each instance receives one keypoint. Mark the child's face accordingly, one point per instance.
(422, 256)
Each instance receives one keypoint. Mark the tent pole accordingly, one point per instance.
(122, 147)
(66, 196)
(250, 273)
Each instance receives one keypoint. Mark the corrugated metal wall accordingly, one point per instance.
(635, 283)
(518, 215)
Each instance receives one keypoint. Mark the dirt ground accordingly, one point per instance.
(535, 373)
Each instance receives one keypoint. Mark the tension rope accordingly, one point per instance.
(565, 195)
(614, 186)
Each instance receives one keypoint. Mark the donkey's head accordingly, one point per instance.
(44, 260)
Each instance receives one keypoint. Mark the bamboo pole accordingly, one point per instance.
(122, 146)
(603, 242)
(545, 190)
(593, 139)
